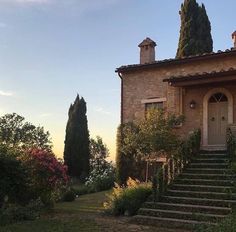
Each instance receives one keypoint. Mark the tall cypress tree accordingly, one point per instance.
(195, 32)
(204, 32)
(76, 152)
(126, 164)
(121, 162)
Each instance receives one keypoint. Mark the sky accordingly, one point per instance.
(52, 50)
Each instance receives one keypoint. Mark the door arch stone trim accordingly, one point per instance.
(205, 110)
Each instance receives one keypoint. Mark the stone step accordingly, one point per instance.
(209, 165)
(204, 182)
(198, 201)
(213, 151)
(188, 208)
(207, 176)
(216, 156)
(207, 170)
(204, 188)
(210, 160)
(198, 194)
(168, 222)
(181, 215)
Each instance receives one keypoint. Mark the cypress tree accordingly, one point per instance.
(195, 32)
(121, 173)
(204, 31)
(76, 152)
(125, 163)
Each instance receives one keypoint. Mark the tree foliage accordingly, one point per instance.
(16, 132)
(152, 134)
(137, 140)
(124, 161)
(98, 150)
(76, 152)
(101, 171)
(195, 32)
(14, 179)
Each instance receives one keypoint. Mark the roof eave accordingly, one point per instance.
(175, 61)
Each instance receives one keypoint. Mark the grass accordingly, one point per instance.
(82, 215)
(66, 217)
(87, 203)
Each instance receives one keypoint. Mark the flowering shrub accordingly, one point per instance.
(126, 200)
(101, 171)
(48, 174)
(101, 177)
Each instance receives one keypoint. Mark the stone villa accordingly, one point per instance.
(202, 88)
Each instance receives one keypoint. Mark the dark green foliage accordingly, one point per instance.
(128, 163)
(76, 152)
(82, 190)
(14, 178)
(17, 133)
(161, 182)
(137, 140)
(231, 145)
(69, 196)
(165, 175)
(154, 187)
(98, 151)
(131, 201)
(16, 213)
(121, 175)
(191, 146)
(128, 200)
(195, 33)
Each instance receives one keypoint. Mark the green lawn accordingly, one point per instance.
(82, 215)
(66, 217)
(86, 203)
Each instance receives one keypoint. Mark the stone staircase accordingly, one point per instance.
(202, 194)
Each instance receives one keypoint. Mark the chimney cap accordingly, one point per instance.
(233, 34)
(147, 42)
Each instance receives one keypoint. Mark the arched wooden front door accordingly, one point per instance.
(217, 119)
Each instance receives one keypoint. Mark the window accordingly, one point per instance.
(218, 97)
(154, 105)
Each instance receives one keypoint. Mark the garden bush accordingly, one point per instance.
(126, 200)
(69, 196)
(48, 175)
(100, 180)
(191, 146)
(13, 213)
(82, 190)
(14, 179)
(102, 173)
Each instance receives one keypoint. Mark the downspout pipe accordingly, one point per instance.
(121, 110)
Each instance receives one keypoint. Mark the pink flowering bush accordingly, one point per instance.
(47, 173)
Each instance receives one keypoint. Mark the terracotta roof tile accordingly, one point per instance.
(200, 75)
(174, 60)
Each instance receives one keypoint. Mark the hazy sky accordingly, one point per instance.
(50, 50)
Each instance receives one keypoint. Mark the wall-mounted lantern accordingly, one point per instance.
(192, 104)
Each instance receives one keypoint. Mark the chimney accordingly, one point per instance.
(234, 39)
(147, 51)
